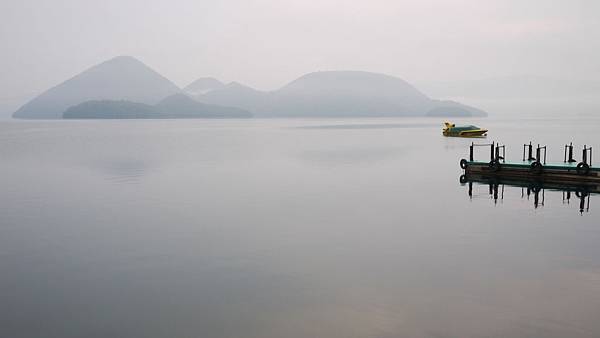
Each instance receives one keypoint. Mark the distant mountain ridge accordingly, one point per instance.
(120, 78)
(203, 85)
(338, 94)
(174, 106)
(238, 95)
(122, 85)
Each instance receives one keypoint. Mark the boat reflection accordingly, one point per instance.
(535, 190)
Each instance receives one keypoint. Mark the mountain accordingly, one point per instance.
(174, 106)
(117, 88)
(238, 95)
(448, 108)
(203, 85)
(348, 93)
(121, 78)
(10, 103)
(338, 94)
(182, 106)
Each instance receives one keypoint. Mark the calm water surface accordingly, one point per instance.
(286, 228)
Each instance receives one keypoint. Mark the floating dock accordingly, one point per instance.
(533, 167)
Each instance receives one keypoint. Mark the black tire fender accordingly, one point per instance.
(494, 165)
(583, 168)
(536, 168)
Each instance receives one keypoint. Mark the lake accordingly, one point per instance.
(287, 228)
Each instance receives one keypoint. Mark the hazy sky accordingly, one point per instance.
(266, 43)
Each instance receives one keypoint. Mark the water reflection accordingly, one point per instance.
(532, 190)
(371, 126)
(352, 155)
(253, 229)
(124, 171)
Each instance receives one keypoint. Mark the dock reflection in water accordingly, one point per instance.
(534, 190)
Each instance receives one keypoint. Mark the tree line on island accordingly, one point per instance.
(125, 88)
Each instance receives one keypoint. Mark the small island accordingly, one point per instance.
(176, 106)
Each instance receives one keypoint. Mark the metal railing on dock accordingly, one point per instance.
(587, 150)
(494, 151)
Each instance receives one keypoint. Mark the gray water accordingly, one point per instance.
(286, 228)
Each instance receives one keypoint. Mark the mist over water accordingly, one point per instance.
(316, 223)
(286, 228)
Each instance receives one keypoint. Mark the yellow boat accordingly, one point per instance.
(450, 129)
